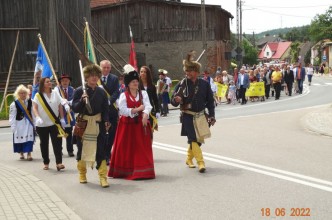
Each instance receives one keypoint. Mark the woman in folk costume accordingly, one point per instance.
(132, 156)
(145, 83)
(194, 95)
(21, 122)
(91, 146)
(46, 108)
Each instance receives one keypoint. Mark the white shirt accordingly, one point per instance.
(241, 78)
(53, 102)
(168, 82)
(310, 71)
(125, 111)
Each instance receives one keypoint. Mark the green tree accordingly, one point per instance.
(321, 26)
(295, 51)
(250, 52)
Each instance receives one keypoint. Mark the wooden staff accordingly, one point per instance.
(10, 69)
(53, 72)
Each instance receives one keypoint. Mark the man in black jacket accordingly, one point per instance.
(289, 79)
(110, 84)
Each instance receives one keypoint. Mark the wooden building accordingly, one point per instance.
(39, 16)
(164, 31)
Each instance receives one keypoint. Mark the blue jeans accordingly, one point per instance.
(300, 85)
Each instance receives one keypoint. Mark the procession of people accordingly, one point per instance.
(110, 121)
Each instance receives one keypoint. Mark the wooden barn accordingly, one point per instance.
(31, 17)
(164, 31)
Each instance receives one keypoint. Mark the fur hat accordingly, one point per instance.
(91, 70)
(130, 74)
(189, 64)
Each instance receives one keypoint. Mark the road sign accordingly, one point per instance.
(238, 50)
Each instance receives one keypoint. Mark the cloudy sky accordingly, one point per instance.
(262, 15)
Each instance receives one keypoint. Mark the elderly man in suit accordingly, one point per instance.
(242, 84)
(110, 84)
(299, 73)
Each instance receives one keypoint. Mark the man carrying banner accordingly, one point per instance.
(194, 95)
(91, 146)
(110, 83)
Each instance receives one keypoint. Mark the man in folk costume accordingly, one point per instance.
(194, 95)
(67, 93)
(110, 83)
(91, 146)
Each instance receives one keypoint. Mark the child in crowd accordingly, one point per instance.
(232, 92)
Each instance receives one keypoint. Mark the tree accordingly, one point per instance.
(295, 51)
(250, 52)
(321, 26)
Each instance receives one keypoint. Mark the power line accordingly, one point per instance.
(313, 6)
(277, 13)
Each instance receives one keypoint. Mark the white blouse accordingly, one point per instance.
(125, 111)
(53, 102)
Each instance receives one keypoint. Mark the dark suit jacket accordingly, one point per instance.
(152, 93)
(112, 87)
(289, 77)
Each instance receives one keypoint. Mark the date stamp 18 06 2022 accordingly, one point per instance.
(280, 212)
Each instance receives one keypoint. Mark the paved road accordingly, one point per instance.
(261, 157)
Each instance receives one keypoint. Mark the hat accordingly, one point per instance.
(189, 64)
(64, 76)
(130, 74)
(91, 70)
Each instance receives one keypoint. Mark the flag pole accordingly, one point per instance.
(52, 69)
(10, 70)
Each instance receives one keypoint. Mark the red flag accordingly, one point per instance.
(132, 55)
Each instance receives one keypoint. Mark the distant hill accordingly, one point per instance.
(281, 31)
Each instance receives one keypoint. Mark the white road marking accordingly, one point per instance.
(7, 133)
(269, 171)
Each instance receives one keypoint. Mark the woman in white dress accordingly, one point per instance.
(21, 123)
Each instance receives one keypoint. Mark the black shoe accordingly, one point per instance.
(71, 154)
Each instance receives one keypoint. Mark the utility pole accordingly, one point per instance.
(238, 49)
(203, 16)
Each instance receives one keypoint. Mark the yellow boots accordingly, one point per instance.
(102, 171)
(196, 150)
(190, 157)
(81, 166)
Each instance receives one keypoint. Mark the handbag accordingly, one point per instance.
(80, 126)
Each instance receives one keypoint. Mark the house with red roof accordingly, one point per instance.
(275, 51)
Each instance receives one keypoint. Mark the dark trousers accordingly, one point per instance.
(289, 88)
(44, 133)
(69, 139)
(110, 137)
(267, 91)
(277, 88)
(300, 85)
(243, 94)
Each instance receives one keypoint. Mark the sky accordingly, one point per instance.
(263, 15)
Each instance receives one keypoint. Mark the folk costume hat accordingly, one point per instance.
(189, 64)
(91, 70)
(130, 74)
(162, 72)
(65, 76)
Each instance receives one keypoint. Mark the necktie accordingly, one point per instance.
(104, 79)
(65, 93)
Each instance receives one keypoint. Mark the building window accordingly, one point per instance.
(267, 53)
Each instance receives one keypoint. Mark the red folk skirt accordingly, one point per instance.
(132, 156)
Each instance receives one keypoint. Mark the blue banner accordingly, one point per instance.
(42, 63)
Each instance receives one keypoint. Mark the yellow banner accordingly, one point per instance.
(221, 89)
(256, 89)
